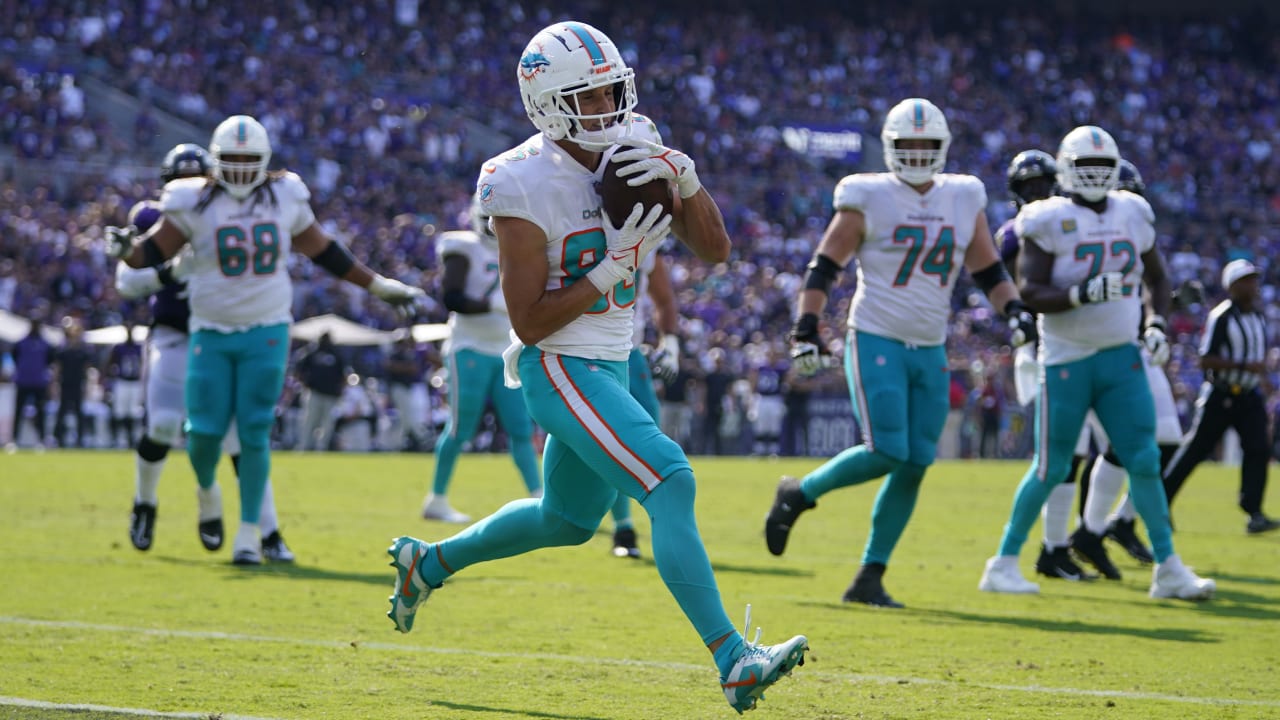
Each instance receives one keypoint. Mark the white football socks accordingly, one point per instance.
(1056, 515)
(1105, 485)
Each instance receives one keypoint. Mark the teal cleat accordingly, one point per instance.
(759, 667)
(411, 590)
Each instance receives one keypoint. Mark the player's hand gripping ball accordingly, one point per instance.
(619, 198)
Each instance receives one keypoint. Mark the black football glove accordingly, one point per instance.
(1022, 323)
(808, 355)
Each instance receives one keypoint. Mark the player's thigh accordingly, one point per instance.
(929, 401)
(210, 383)
(876, 371)
(471, 380)
(586, 405)
(641, 384)
(1061, 407)
(263, 354)
(1125, 408)
(572, 488)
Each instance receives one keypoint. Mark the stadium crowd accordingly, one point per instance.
(375, 105)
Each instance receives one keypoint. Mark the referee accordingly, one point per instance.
(1232, 354)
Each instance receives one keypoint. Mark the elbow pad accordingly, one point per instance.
(821, 272)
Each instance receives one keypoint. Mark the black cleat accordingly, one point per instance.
(787, 506)
(1089, 548)
(274, 549)
(142, 525)
(1057, 563)
(624, 543)
(868, 589)
(1259, 523)
(211, 534)
(1122, 531)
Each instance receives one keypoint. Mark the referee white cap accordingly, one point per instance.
(1236, 270)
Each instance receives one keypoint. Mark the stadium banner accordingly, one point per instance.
(824, 141)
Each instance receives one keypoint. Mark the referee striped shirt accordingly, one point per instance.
(1238, 336)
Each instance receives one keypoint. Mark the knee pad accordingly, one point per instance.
(165, 426)
(150, 450)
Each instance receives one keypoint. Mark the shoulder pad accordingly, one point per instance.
(182, 194)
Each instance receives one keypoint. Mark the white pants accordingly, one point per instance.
(126, 399)
(166, 376)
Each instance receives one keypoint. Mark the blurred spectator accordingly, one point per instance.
(324, 379)
(124, 373)
(32, 360)
(73, 361)
(407, 388)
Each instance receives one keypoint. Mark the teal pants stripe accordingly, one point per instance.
(475, 380)
(238, 375)
(1113, 383)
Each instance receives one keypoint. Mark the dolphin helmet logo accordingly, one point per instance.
(532, 63)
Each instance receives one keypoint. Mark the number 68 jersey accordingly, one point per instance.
(240, 275)
(1085, 243)
(913, 247)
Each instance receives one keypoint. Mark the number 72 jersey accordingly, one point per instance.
(912, 250)
(240, 250)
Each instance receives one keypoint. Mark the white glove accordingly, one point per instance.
(665, 361)
(404, 298)
(1099, 288)
(1155, 340)
(1026, 374)
(651, 161)
(120, 241)
(625, 248)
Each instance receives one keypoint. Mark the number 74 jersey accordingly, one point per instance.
(1084, 244)
(240, 248)
(912, 250)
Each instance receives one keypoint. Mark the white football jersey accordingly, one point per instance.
(912, 250)
(240, 251)
(486, 333)
(1086, 243)
(539, 182)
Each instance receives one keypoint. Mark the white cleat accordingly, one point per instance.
(436, 507)
(247, 549)
(1172, 579)
(1003, 576)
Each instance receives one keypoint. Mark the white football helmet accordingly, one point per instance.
(562, 60)
(240, 135)
(1094, 180)
(912, 119)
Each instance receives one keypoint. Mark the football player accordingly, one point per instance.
(1032, 176)
(166, 372)
(568, 276)
(911, 229)
(1083, 258)
(478, 330)
(241, 224)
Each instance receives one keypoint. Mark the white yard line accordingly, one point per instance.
(81, 707)
(578, 659)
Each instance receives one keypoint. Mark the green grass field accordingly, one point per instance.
(575, 634)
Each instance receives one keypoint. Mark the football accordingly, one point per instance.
(618, 198)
